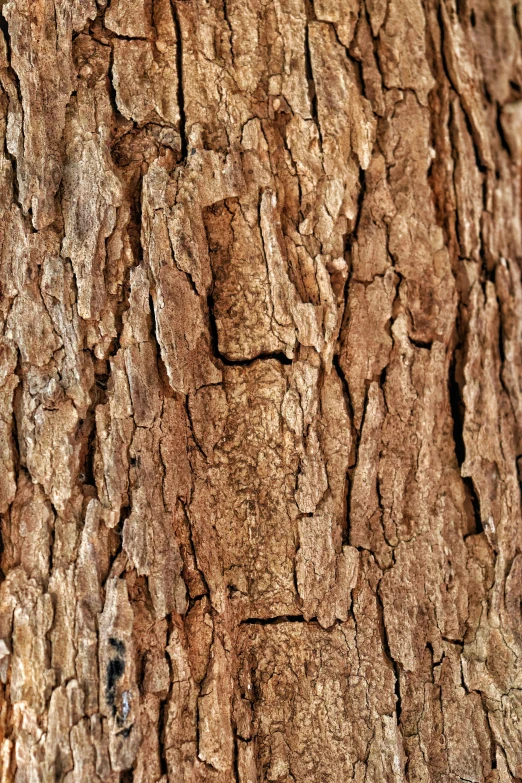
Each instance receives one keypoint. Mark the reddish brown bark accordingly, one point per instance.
(260, 393)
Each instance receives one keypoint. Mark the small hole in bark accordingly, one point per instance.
(114, 672)
(118, 645)
(125, 732)
(115, 669)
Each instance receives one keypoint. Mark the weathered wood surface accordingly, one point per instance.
(260, 391)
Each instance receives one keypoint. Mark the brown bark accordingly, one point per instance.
(260, 391)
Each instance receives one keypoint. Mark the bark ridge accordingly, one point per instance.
(260, 391)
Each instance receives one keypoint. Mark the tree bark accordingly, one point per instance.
(260, 391)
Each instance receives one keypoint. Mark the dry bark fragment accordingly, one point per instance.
(259, 391)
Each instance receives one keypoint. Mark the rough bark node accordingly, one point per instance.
(260, 391)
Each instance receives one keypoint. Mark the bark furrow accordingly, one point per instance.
(260, 391)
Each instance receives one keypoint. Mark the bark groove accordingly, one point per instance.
(260, 391)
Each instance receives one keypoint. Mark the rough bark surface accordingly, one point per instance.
(261, 391)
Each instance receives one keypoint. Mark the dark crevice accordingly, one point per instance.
(191, 554)
(426, 345)
(285, 618)
(117, 645)
(278, 356)
(501, 135)
(235, 757)
(212, 329)
(472, 503)
(289, 618)
(346, 389)
(382, 509)
(356, 433)
(228, 24)
(122, 304)
(114, 673)
(455, 158)
(282, 358)
(449, 640)
(355, 448)
(481, 164)
(4, 28)
(352, 237)
(515, 10)
(311, 88)
(192, 430)
(110, 34)
(111, 90)
(133, 231)
(135, 223)
(457, 411)
(455, 385)
(163, 716)
(15, 432)
(181, 96)
(387, 651)
(382, 382)
(357, 65)
(87, 435)
(501, 352)
(117, 548)
(162, 369)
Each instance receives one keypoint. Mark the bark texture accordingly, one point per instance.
(260, 391)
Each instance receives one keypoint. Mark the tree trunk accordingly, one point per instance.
(261, 391)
